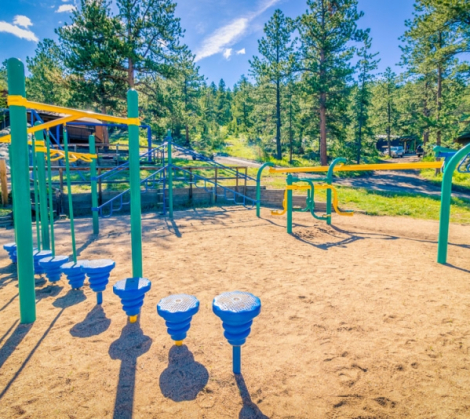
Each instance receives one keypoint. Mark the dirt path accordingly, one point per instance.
(357, 320)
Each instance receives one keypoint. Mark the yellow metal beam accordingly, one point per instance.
(360, 167)
(76, 113)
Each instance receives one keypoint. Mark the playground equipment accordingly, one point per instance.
(453, 160)
(178, 311)
(98, 272)
(19, 161)
(310, 200)
(459, 160)
(53, 267)
(132, 291)
(11, 249)
(236, 309)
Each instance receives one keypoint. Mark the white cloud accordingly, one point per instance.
(15, 29)
(227, 35)
(65, 8)
(241, 51)
(227, 53)
(23, 21)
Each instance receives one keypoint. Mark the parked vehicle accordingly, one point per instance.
(420, 151)
(397, 151)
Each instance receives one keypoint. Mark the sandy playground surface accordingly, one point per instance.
(357, 321)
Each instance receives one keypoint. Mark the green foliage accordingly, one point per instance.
(47, 82)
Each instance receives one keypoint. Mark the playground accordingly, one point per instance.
(357, 321)
(339, 314)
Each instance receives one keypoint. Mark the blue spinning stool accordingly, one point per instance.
(178, 311)
(237, 310)
(38, 255)
(74, 273)
(11, 249)
(51, 266)
(98, 272)
(132, 291)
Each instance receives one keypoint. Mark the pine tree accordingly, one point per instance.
(93, 54)
(326, 31)
(151, 34)
(385, 109)
(242, 104)
(275, 62)
(362, 95)
(46, 82)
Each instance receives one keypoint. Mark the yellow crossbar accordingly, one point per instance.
(361, 167)
(76, 113)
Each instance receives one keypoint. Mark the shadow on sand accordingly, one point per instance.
(131, 344)
(184, 378)
(94, 324)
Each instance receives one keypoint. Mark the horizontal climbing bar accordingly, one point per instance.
(360, 167)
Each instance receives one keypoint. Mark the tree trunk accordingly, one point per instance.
(426, 113)
(278, 121)
(187, 134)
(389, 118)
(290, 129)
(439, 94)
(323, 150)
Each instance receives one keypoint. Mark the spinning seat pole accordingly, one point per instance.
(49, 184)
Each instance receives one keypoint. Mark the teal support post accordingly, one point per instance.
(329, 181)
(170, 177)
(21, 193)
(94, 189)
(134, 168)
(258, 187)
(41, 172)
(49, 185)
(36, 194)
(69, 193)
(289, 205)
(446, 192)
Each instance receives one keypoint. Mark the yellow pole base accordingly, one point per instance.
(133, 319)
(178, 342)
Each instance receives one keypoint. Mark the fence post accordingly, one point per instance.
(21, 192)
(134, 177)
(190, 185)
(215, 184)
(3, 181)
(94, 194)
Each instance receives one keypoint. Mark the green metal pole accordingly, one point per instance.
(329, 181)
(21, 193)
(170, 178)
(69, 193)
(41, 172)
(289, 204)
(446, 192)
(49, 184)
(258, 187)
(35, 185)
(94, 191)
(134, 168)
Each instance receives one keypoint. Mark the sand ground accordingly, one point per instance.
(357, 321)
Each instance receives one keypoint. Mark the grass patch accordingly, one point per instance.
(460, 181)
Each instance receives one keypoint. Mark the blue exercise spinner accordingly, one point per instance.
(52, 266)
(98, 272)
(178, 311)
(236, 309)
(38, 255)
(11, 249)
(132, 291)
(74, 273)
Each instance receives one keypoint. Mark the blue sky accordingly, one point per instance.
(222, 33)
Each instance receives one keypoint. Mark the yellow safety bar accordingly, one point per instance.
(307, 187)
(361, 167)
(72, 114)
